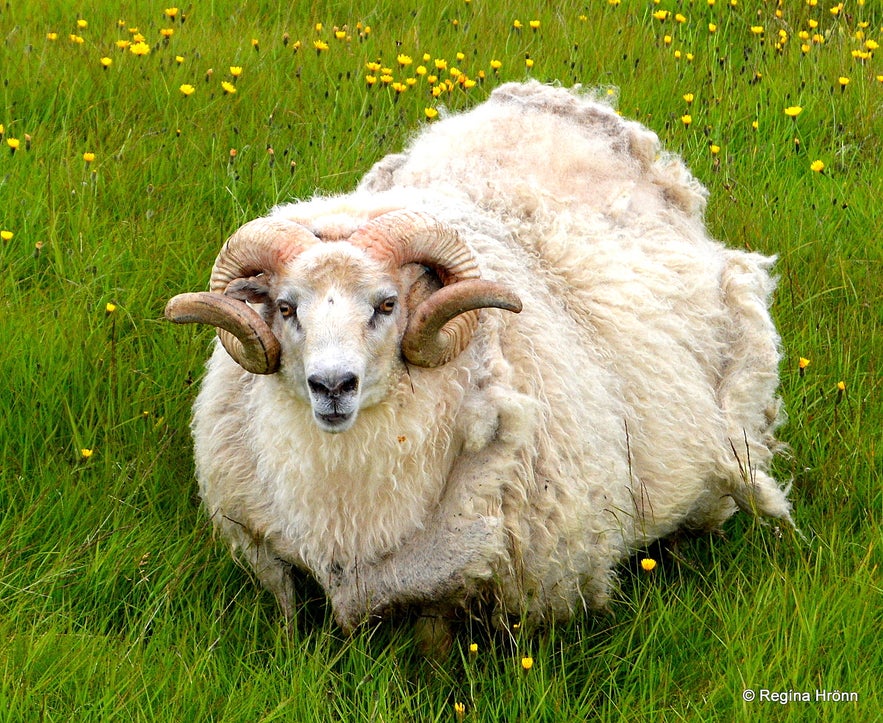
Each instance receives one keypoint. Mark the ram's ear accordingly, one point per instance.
(254, 289)
(422, 282)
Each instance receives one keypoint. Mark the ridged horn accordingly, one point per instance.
(259, 247)
(442, 326)
(245, 335)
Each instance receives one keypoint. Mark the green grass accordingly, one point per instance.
(115, 600)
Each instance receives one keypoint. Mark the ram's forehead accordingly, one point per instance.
(337, 263)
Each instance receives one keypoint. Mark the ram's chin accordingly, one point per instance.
(334, 422)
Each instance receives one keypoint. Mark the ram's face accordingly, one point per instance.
(340, 317)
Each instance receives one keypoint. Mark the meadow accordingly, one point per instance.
(134, 137)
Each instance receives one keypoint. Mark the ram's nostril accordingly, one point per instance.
(349, 385)
(333, 385)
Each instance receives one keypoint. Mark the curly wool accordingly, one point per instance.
(634, 395)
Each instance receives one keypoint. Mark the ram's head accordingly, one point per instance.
(339, 315)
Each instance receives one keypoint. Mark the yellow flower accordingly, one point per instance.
(648, 564)
(167, 32)
(78, 39)
(430, 113)
(171, 12)
(320, 45)
(871, 44)
(228, 87)
(757, 29)
(473, 648)
(399, 87)
(109, 308)
(106, 62)
(688, 97)
(6, 235)
(841, 386)
(528, 62)
(527, 663)
(51, 36)
(843, 80)
(13, 144)
(680, 18)
(534, 24)
(139, 48)
(82, 24)
(517, 24)
(123, 44)
(792, 111)
(686, 119)
(803, 363)
(460, 710)
(340, 34)
(714, 148)
(404, 60)
(661, 15)
(441, 64)
(370, 79)
(179, 59)
(817, 166)
(85, 453)
(235, 70)
(187, 89)
(496, 64)
(712, 28)
(88, 156)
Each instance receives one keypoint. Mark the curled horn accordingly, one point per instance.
(258, 247)
(442, 325)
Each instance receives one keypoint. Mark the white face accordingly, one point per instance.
(339, 317)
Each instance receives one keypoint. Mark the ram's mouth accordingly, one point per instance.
(334, 422)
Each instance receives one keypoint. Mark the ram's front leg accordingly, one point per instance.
(460, 546)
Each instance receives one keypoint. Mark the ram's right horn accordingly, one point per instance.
(260, 247)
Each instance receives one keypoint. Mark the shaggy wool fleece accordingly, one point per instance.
(633, 396)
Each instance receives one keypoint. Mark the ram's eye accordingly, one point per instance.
(387, 306)
(286, 310)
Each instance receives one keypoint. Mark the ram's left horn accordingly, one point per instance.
(442, 326)
(439, 328)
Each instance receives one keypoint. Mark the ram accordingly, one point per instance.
(508, 359)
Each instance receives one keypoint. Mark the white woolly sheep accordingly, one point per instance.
(378, 416)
